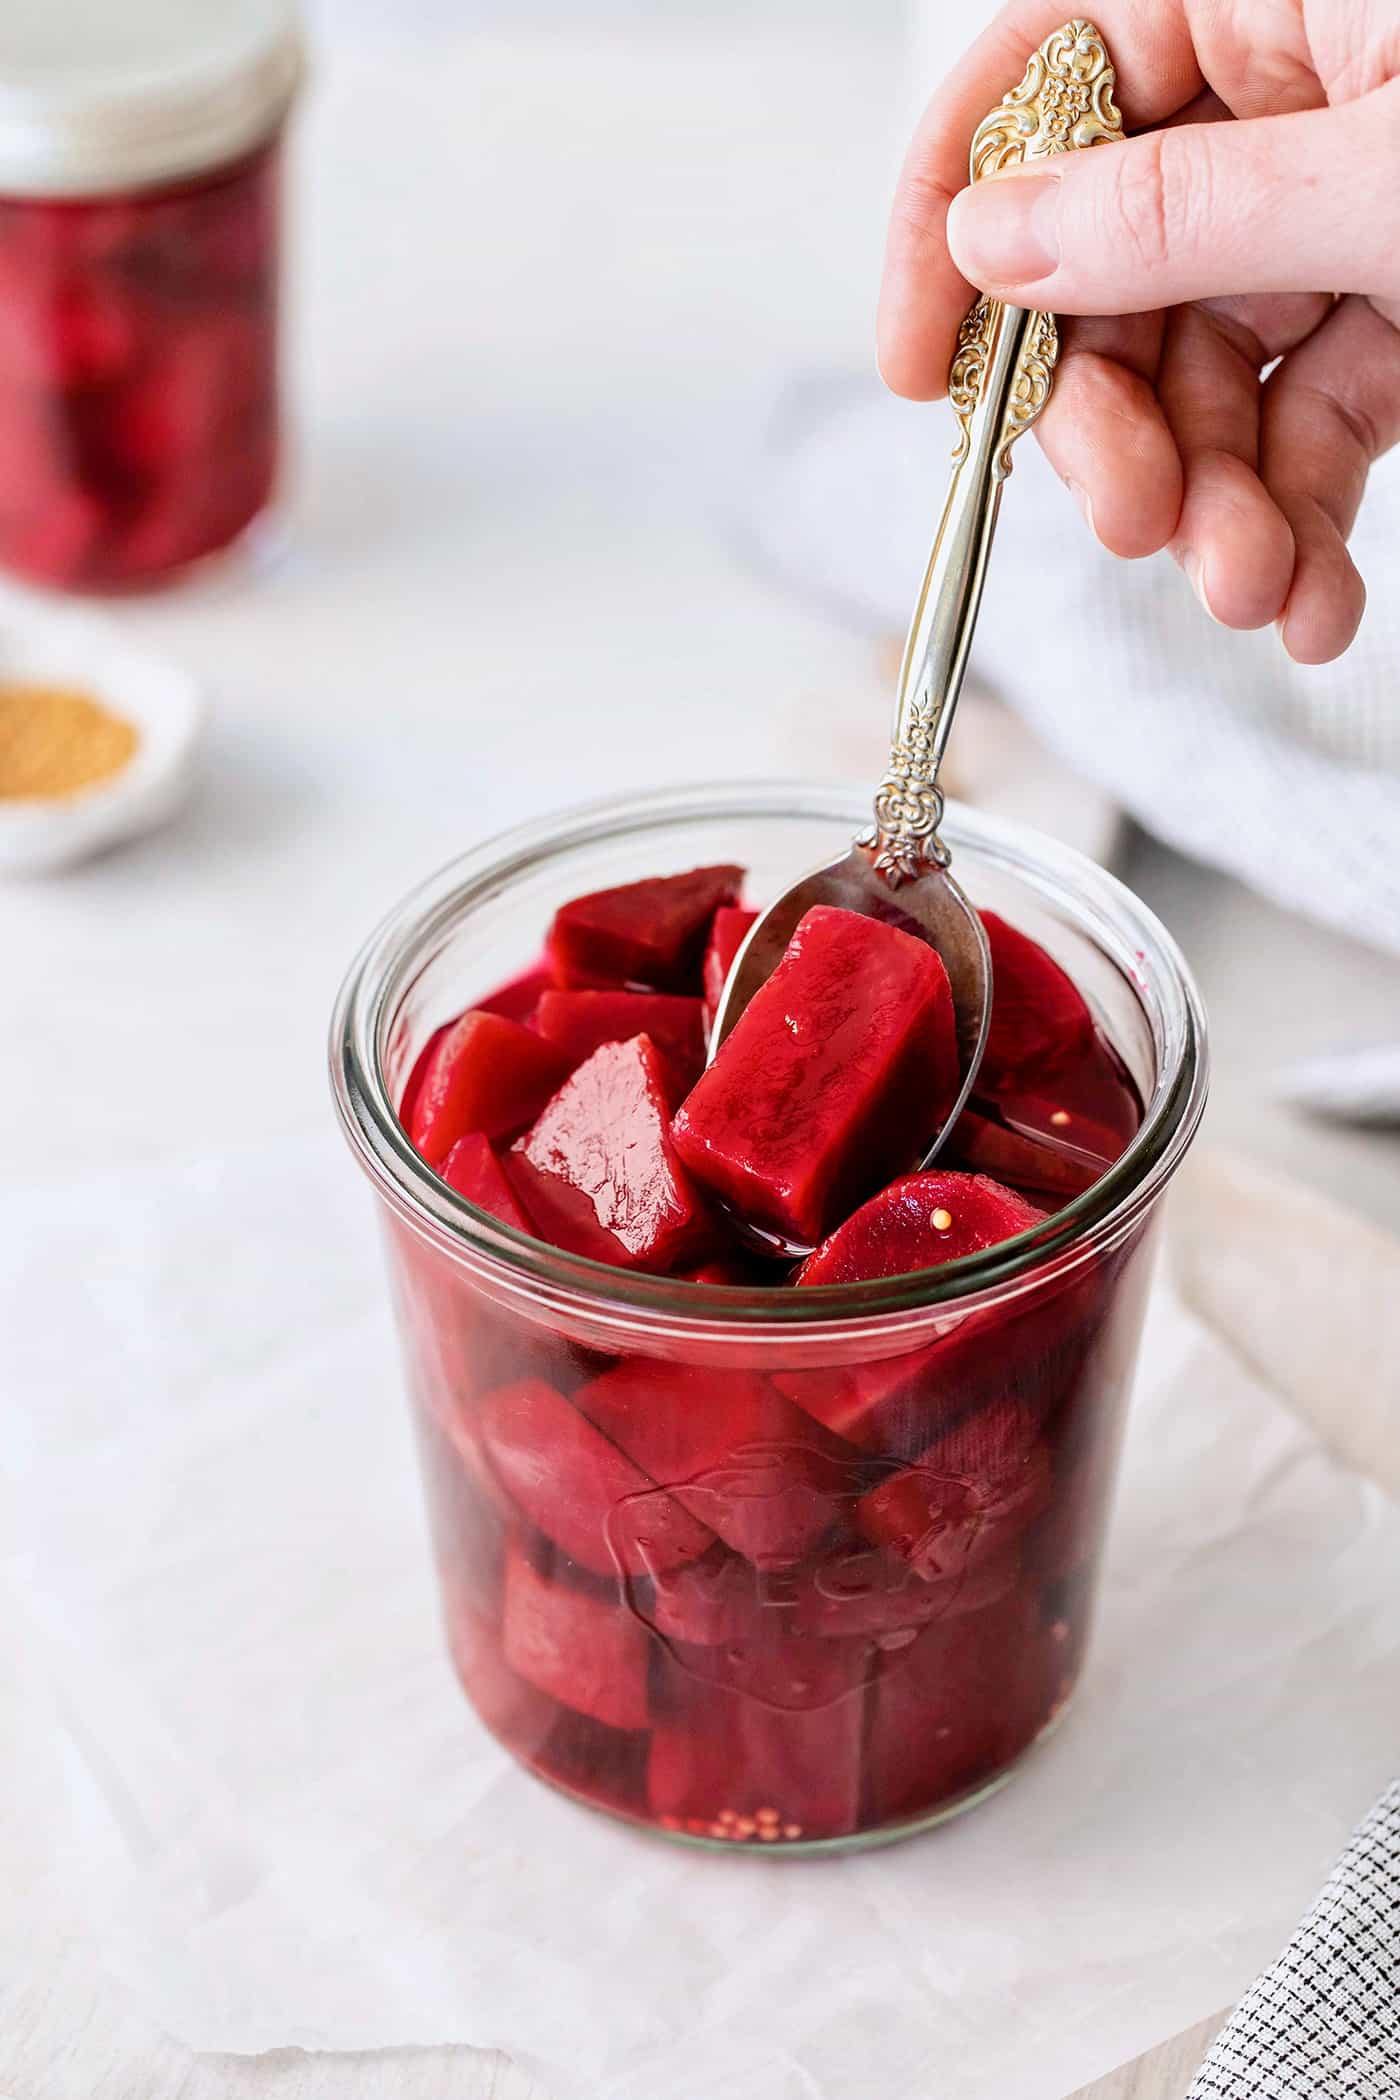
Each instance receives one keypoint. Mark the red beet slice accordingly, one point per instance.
(178, 407)
(413, 1086)
(599, 1173)
(467, 1514)
(486, 1074)
(517, 1000)
(1088, 1431)
(701, 1604)
(918, 1223)
(838, 1068)
(588, 1654)
(1029, 1350)
(864, 1591)
(956, 1706)
(472, 1168)
(578, 1022)
(1039, 1017)
(91, 335)
(893, 1405)
(646, 934)
(726, 1765)
(516, 1711)
(727, 936)
(968, 1498)
(580, 1490)
(1029, 1165)
(1089, 1105)
(774, 1662)
(462, 1346)
(732, 1450)
(604, 1764)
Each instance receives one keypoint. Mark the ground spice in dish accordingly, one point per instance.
(55, 741)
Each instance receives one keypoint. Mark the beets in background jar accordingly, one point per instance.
(139, 177)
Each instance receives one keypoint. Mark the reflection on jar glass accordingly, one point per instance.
(139, 210)
(766, 1568)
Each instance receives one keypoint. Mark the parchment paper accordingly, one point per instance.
(232, 1755)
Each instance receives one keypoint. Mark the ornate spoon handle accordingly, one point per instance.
(998, 384)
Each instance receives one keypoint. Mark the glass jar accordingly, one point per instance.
(712, 1647)
(139, 176)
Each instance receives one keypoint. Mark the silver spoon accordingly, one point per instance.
(998, 384)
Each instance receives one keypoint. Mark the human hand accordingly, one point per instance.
(1218, 402)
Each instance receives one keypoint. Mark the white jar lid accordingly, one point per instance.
(102, 95)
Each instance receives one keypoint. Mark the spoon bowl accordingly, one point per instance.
(933, 909)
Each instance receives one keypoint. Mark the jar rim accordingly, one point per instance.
(541, 1277)
(185, 90)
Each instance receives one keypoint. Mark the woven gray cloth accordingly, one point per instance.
(1324, 2022)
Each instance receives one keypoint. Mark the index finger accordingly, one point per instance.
(924, 296)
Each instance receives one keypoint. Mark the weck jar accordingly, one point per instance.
(775, 1684)
(139, 238)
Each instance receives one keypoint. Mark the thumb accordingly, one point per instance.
(1297, 203)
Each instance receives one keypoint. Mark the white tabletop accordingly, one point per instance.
(544, 283)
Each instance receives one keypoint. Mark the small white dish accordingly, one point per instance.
(162, 703)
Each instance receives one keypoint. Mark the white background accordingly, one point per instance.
(549, 267)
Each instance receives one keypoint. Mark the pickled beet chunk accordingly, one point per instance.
(580, 1490)
(969, 1496)
(603, 1764)
(413, 1085)
(1031, 1349)
(727, 936)
(588, 1653)
(1031, 1165)
(725, 1765)
(955, 1706)
(599, 1173)
(648, 935)
(918, 1223)
(774, 1662)
(468, 1515)
(472, 1168)
(1040, 1020)
(841, 1066)
(519, 996)
(1088, 1109)
(700, 1603)
(733, 1451)
(186, 402)
(513, 1709)
(864, 1591)
(851, 1593)
(486, 1074)
(578, 1023)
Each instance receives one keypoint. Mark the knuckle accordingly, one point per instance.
(1156, 199)
(921, 206)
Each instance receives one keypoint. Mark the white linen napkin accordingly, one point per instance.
(262, 1799)
(1287, 777)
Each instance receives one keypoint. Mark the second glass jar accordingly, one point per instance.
(139, 279)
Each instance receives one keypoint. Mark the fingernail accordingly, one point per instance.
(1085, 502)
(1006, 230)
(1191, 563)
